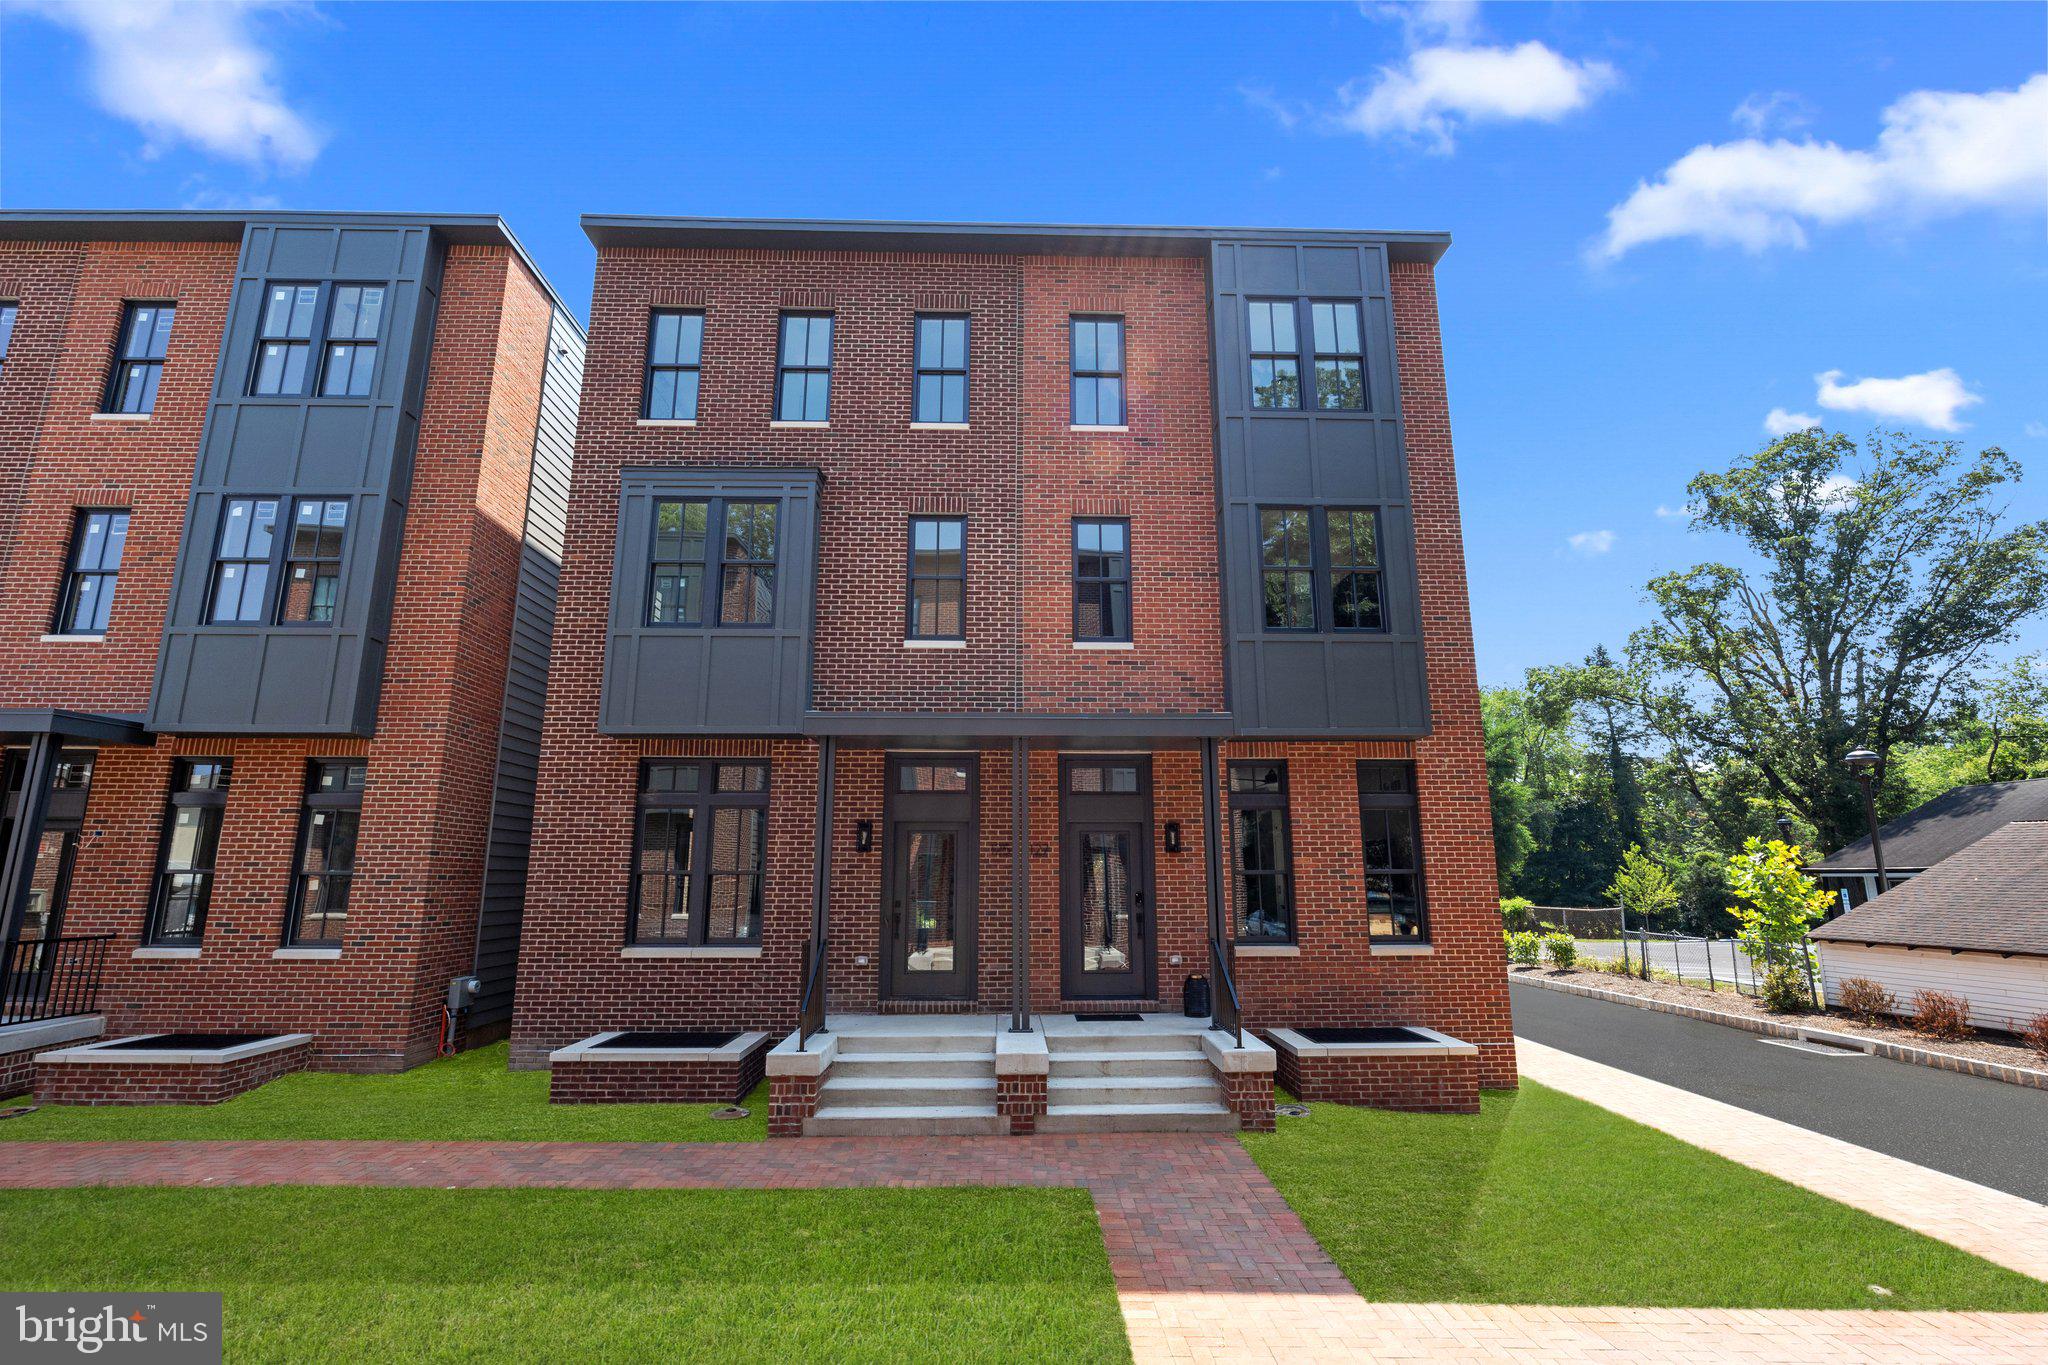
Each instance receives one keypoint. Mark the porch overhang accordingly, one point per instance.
(974, 730)
(21, 724)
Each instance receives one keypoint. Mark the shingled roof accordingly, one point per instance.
(1992, 897)
(1943, 827)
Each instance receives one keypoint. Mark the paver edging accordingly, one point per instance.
(1879, 1047)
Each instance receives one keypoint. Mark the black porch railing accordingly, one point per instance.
(810, 1014)
(51, 978)
(1226, 1012)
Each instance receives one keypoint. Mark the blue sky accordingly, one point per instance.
(1800, 191)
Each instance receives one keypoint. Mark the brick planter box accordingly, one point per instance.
(19, 1044)
(589, 1072)
(1431, 1074)
(117, 1072)
(1246, 1075)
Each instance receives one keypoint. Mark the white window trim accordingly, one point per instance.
(1105, 644)
(799, 426)
(666, 422)
(1083, 426)
(660, 950)
(122, 416)
(939, 426)
(935, 644)
(58, 638)
(306, 954)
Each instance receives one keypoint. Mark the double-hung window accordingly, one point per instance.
(1262, 858)
(1320, 569)
(681, 560)
(1387, 817)
(941, 363)
(1275, 351)
(675, 358)
(241, 561)
(97, 541)
(139, 357)
(803, 373)
(1339, 356)
(250, 555)
(1096, 364)
(284, 342)
(699, 851)
(354, 320)
(7, 311)
(1102, 578)
(191, 841)
(291, 328)
(938, 579)
(312, 566)
(327, 852)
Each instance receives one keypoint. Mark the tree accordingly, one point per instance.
(1642, 887)
(1879, 581)
(1778, 901)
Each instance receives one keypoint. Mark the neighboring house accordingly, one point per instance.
(1975, 925)
(280, 517)
(973, 619)
(1929, 833)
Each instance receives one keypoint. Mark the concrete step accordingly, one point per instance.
(841, 1092)
(1096, 1090)
(1113, 1039)
(1138, 1118)
(866, 1044)
(894, 1120)
(970, 1064)
(1136, 1062)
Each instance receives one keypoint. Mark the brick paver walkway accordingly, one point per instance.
(1998, 1226)
(1210, 1263)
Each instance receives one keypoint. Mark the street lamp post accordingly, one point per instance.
(1863, 764)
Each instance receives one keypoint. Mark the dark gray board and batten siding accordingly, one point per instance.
(1305, 684)
(272, 678)
(526, 678)
(711, 679)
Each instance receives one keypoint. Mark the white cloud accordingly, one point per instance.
(1834, 490)
(1590, 543)
(1455, 21)
(1779, 422)
(1439, 90)
(1667, 512)
(1939, 152)
(2037, 430)
(192, 72)
(1265, 101)
(1930, 400)
(1776, 111)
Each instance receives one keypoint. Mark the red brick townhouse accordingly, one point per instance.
(976, 632)
(281, 503)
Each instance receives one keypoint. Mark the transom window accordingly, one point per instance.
(191, 841)
(699, 853)
(931, 777)
(941, 369)
(285, 339)
(352, 330)
(1102, 578)
(1096, 360)
(7, 311)
(327, 852)
(938, 578)
(1388, 822)
(675, 357)
(97, 541)
(1262, 857)
(681, 561)
(1340, 356)
(1320, 569)
(1275, 354)
(803, 376)
(1091, 778)
(312, 569)
(241, 563)
(139, 357)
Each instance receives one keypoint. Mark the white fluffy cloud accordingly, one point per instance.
(1939, 152)
(1590, 543)
(1773, 111)
(1778, 422)
(2037, 430)
(1931, 400)
(192, 72)
(1438, 90)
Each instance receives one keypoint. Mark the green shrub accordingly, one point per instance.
(1785, 990)
(1562, 950)
(1524, 949)
(1516, 912)
(1616, 965)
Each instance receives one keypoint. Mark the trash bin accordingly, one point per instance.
(1194, 997)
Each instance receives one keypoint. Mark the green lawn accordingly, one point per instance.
(370, 1274)
(1543, 1198)
(467, 1097)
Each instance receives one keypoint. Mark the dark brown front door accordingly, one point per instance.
(930, 879)
(1107, 928)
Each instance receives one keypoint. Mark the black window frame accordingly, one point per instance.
(1374, 571)
(677, 366)
(321, 341)
(920, 370)
(703, 801)
(1317, 355)
(306, 344)
(912, 577)
(148, 360)
(1289, 568)
(711, 600)
(1380, 799)
(356, 343)
(211, 801)
(1075, 374)
(10, 314)
(1103, 581)
(725, 563)
(277, 562)
(1321, 572)
(288, 557)
(656, 562)
(783, 368)
(220, 560)
(1272, 801)
(1273, 355)
(76, 572)
(346, 799)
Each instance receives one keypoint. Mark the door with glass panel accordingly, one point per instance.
(930, 885)
(1107, 928)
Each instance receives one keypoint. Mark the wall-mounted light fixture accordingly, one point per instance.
(1173, 836)
(863, 836)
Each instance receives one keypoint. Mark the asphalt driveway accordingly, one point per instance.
(1987, 1131)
